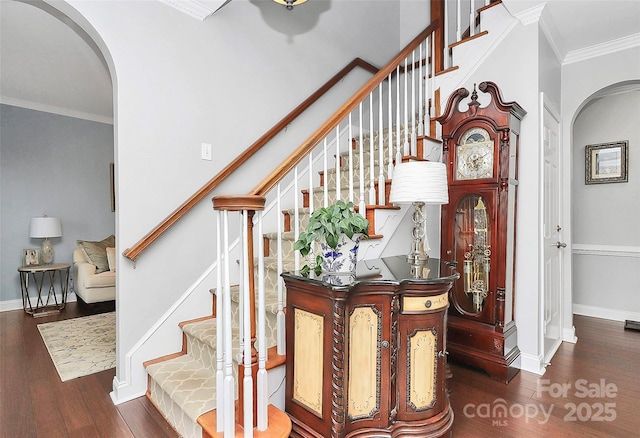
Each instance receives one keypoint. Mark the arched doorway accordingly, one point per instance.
(606, 239)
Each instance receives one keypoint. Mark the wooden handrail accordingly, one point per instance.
(303, 150)
(134, 252)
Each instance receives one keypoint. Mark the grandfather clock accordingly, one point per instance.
(478, 229)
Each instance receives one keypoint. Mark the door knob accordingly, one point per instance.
(561, 244)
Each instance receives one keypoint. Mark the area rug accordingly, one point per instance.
(81, 346)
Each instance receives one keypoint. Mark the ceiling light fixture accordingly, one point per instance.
(290, 3)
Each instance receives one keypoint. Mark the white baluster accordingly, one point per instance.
(281, 333)
(296, 215)
(220, 403)
(413, 104)
(398, 122)
(458, 20)
(361, 202)
(432, 107)
(381, 180)
(406, 109)
(472, 19)
(326, 177)
(262, 390)
(350, 150)
(420, 95)
(310, 175)
(338, 188)
(390, 134)
(447, 30)
(229, 382)
(372, 169)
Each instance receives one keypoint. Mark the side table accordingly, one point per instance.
(44, 276)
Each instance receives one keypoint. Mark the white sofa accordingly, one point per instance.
(94, 273)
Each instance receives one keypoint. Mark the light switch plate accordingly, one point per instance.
(206, 151)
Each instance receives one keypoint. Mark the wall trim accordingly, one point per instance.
(605, 250)
(27, 104)
(602, 49)
(533, 364)
(601, 312)
(10, 305)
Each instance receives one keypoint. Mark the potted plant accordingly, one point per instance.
(338, 229)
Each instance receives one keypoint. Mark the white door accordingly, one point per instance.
(552, 229)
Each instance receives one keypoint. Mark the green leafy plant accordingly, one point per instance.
(329, 223)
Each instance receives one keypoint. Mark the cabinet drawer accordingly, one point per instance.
(424, 304)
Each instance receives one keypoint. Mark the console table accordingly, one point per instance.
(366, 356)
(44, 276)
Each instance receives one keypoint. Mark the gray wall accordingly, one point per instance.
(54, 165)
(606, 236)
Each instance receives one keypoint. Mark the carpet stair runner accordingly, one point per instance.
(182, 385)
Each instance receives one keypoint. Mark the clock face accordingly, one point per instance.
(474, 155)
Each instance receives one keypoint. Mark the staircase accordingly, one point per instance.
(183, 385)
(349, 158)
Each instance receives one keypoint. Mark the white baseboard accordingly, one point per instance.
(532, 364)
(8, 305)
(600, 312)
(569, 335)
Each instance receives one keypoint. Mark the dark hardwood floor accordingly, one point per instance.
(591, 389)
(35, 403)
(600, 397)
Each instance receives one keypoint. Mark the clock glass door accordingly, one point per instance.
(472, 252)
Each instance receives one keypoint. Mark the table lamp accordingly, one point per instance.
(419, 183)
(45, 227)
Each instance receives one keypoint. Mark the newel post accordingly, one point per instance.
(248, 204)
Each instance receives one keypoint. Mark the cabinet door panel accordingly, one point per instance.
(420, 366)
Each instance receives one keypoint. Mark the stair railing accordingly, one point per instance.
(350, 157)
(446, 34)
(141, 245)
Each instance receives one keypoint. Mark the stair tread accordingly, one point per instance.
(190, 385)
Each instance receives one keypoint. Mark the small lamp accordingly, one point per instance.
(419, 183)
(45, 227)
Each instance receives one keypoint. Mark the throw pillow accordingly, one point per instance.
(97, 252)
(111, 259)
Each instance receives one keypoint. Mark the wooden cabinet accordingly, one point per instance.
(367, 358)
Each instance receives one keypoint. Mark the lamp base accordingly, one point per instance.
(417, 262)
(46, 252)
(417, 258)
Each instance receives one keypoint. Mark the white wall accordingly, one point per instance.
(606, 236)
(517, 77)
(224, 81)
(581, 80)
(53, 165)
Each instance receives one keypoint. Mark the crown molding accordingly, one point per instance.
(602, 49)
(531, 15)
(199, 9)
(55, 110)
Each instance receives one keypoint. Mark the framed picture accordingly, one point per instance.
(30, 257)
(606, 162)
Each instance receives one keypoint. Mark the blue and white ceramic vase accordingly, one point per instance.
(342, 259)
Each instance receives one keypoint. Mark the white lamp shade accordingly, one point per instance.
(419, 181)
(43, 227)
